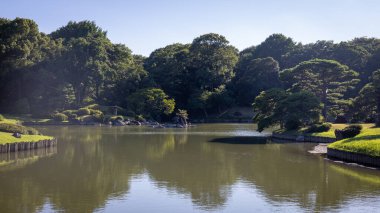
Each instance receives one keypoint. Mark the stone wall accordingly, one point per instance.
(353, 157)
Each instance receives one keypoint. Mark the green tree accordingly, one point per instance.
(22, 49)
(275, 46)
(368, 99)
(84, 62)
(151, 102)
(327, 79)
(212, 61)
(168, 68)
(289, 110)
(254, 76)
(266, 107)
(376, 85)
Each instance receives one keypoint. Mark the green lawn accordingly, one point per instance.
(331, 134)
(6, 137)
(328, 134)
(367, 142)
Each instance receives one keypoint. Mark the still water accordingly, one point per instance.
(208, 168)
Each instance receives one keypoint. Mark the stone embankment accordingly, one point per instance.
(21, 146)
(353, 157)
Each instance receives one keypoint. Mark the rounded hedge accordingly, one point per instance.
(83, 111)
(59, 117)
(324, 127)
(1, 117)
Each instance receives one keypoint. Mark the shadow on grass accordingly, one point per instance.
(240, 140)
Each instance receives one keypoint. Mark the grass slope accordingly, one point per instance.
(6, 137)
(367, 142)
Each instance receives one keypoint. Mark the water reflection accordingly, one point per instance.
(96, 165)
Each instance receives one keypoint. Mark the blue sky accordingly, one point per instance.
(145, 25)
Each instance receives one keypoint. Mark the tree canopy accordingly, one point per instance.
(327, 79)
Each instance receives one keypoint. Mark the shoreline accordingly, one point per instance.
(22, 146)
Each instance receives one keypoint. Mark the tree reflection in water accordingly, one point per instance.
(97, 164)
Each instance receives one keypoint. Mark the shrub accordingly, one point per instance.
(32, 131)
(92, 118)
(59, 117)
(324, 127)
(140, 118)
(83, 111)
(14, 128)
(348, 132)
(93, 106)
(69, 112)
(114, 118)
(1, 117)
(94, 111)
(99, 117)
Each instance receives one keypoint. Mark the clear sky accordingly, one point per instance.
(145, 25)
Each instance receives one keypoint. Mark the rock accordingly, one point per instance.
(118, 123)
(16, 135)
(135, 123)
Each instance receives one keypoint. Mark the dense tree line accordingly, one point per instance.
(77, 65)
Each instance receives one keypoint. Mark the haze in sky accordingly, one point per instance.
(145, 25)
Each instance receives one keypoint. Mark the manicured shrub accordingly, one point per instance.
(14, 128)
(114, 118)
(69, 112)
(95, 111)
(83, 111)
(1, 117)
(32, 131)
(59, 117)
(93, 106)
(324, 127)
(348, 132)
(99, 117)
(92, 118)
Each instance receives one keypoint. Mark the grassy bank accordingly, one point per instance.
(6, 137)
(328, 134)
(11, 125)
(367, 142)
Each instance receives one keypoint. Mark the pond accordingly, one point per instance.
(207, 168)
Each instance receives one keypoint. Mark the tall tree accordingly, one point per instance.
(212, 61)
(254, 76)
(84, 63)
(275, 46)
(22, 47)
(289, 110)
(327, 79)
(168, 68)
